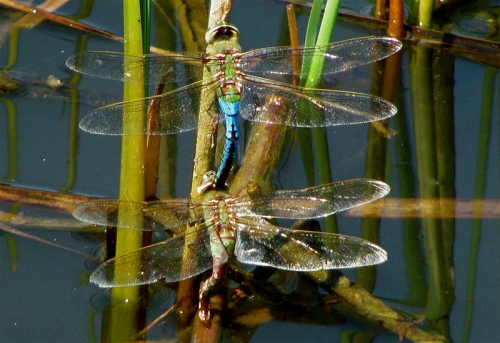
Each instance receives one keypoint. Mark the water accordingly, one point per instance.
(48, 298)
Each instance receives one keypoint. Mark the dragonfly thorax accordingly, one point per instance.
(221, 49)
(223, 217)
(220, 208)
(223, 62)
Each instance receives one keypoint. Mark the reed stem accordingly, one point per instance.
(124, 315)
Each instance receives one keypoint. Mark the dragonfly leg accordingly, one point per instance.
(217, 277)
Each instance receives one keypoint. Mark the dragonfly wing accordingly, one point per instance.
(313, 202)
(279, 103)
(163, 260)
(178, 112)
(152, 216)
(154, 68)
(304, 250)
(337, 57)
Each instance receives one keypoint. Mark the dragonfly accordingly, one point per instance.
(234, 89)
(229, 227)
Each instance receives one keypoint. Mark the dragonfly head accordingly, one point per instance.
(222, 31)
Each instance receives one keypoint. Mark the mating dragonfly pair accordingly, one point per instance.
(234, 89)
(226, 226)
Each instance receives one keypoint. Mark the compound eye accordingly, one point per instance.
(222, 32)
(225, 32)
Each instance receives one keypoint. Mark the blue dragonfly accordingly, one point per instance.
(236, 91)
(226, 227)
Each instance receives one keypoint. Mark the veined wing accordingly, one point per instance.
(304, 250)
(279, 103)
(155, 68)
(162, 260)
(338, 57)
(178, 112)
(153, 215)
(313, 202)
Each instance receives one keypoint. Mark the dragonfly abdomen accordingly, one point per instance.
(229, 104)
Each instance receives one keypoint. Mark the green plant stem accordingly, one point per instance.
(125, 300)
(13, 47)
(145, 8)
(479, 190)
(192, 30)
(438, 269)
(413, 9)
(73, 140)
(375, 161)
(12, 174)
(423, 114)
(425, 13)
(167, 170)
(313, 70)
(374, 169)
(442, 78)
(11, 242)
(414, 259)
(312, 25)
(10, 107)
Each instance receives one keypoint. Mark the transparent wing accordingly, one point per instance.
(156, 68)
(162, 261)
(337, 56)
(304, 250)
(278, 103)
(178, 112)
(313, 202)
(155, 215)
